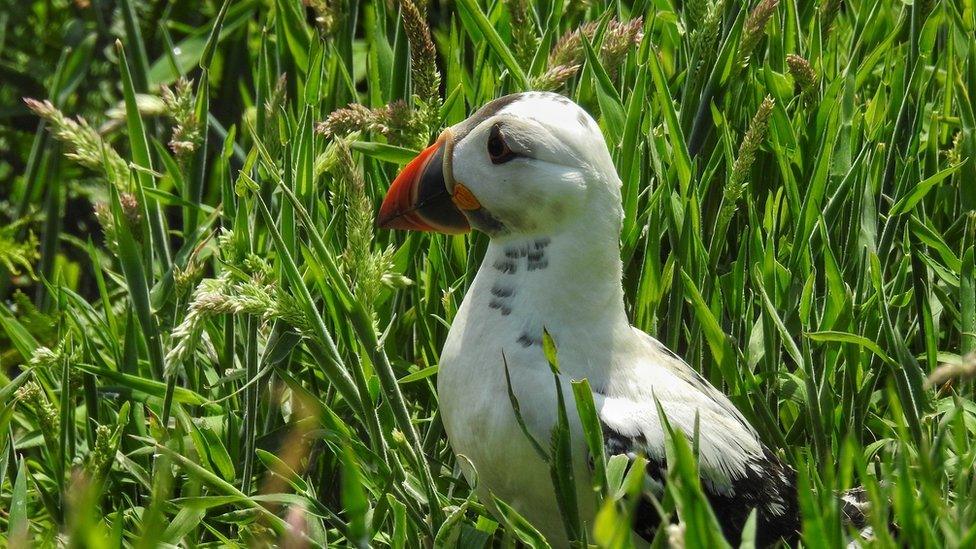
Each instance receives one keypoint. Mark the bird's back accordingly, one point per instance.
(738, 472)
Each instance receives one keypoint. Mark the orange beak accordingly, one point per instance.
(418, 199)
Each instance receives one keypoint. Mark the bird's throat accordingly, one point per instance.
(561, 283)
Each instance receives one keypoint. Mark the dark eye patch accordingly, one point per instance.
(498, 150)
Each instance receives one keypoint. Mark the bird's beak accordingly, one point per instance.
(419, 199)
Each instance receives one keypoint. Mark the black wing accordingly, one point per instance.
(768, 485)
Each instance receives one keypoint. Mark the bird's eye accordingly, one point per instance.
(498, 150)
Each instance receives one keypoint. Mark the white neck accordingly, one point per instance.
(568, 282)
(558, 277)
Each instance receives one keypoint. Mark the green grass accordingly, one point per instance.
(203, 341)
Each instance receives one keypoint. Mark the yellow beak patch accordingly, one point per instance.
(464, 199)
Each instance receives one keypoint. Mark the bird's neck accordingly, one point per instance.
(567, 282)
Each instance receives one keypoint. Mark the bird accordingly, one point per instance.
(532, 170)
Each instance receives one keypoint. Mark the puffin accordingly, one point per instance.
(533, 172)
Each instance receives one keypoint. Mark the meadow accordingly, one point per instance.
(204, 341)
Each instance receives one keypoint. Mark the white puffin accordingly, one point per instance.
(532, 170)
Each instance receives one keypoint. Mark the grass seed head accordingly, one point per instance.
(568, 55)
(272, 110)
(44, 357)
(46, 413)
(955, 154)
(804, 78)
(755, 28)
(753, 138)
(755, 135)
(705, 35)
(423, 54)
(617, 40)
(105, 219)
(180, 104)
(555, 77)
(28, 393)
(100, 457)
(85, 145)
(525, 40)
(397, 122)
(131, 211)
(328, 14)
(828, 12)
(185, 277)
(695, 11)
(365, 269)
(803, 74)
(342, 122)
(251, 296)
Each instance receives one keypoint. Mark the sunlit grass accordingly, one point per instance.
(204, 341)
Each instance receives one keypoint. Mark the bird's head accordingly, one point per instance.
(526, 163)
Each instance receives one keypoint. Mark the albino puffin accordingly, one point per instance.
(532, 171)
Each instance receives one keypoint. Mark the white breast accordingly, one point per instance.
(493, 452)
(579, 300)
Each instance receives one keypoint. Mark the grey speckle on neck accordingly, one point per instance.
(529, 255)
(527, 340)
(569, 282)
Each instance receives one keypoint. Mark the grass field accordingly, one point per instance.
(204, 341)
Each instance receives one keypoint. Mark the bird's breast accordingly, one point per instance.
(493, 451)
